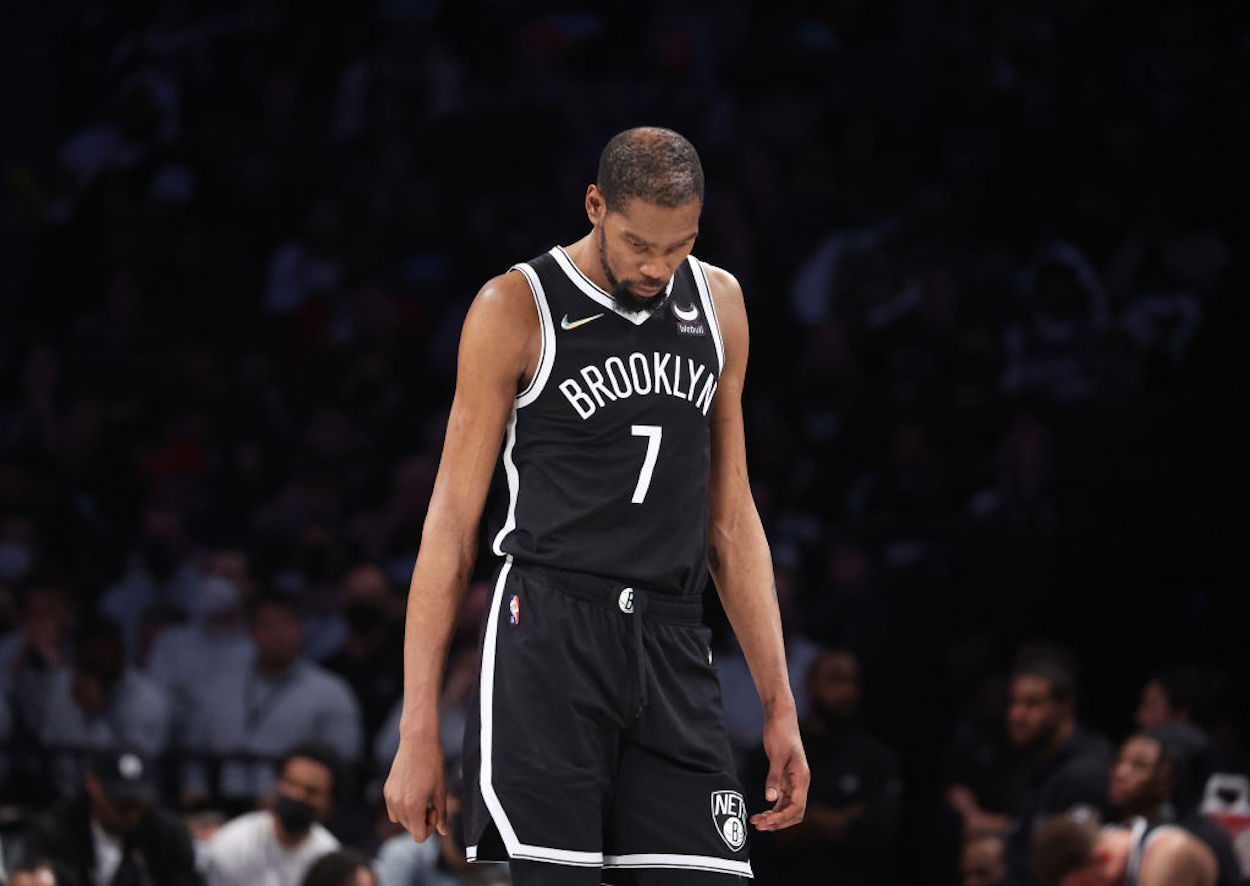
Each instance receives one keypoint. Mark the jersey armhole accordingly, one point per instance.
(709, 308)
(547, 356)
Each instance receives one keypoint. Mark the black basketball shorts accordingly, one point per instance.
(597, 738)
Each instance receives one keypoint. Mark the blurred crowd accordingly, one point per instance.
(986, 255)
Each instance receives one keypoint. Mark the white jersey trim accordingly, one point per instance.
(596, 292)
(547, 358)
(709, 307)
(516, 849)
(681, 862)
(514, 485)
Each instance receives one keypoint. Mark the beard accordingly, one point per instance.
(621, 293)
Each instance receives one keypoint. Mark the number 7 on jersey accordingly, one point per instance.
(653, 433)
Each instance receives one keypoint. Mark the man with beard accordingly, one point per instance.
(605, 380)
(854, 804)
(276, 847)
(1065, 765)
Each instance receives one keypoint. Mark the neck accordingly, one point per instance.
(585, 254)
(1062, 734)
(272, 670)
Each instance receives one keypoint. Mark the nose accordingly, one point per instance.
(655, 268)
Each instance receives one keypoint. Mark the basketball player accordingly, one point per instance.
(1072, 852)
(611, 374)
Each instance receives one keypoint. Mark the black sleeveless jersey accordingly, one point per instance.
(607, 451)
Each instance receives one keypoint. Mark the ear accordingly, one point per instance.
(596, 206)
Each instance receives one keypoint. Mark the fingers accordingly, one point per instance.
(436, 815)
(786, 788)
(413, 815)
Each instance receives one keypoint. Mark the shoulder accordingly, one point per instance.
(731, 313)
(507, 298)
(143, 690)
(321, 840)
(1175, 856)
(724, 286)
(239, 835)
(315, 678)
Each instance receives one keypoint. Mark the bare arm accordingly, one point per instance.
(741, 566)
(498, 350)
(1177, 858)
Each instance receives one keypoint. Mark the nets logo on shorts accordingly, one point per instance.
(729, 814)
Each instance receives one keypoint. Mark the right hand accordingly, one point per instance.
(416, 791)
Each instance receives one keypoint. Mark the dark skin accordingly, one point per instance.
(641, 248)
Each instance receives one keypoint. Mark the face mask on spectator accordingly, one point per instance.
(295, 816)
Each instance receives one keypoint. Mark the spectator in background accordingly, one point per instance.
(114, 833)
(277, 846)
(215, 642)
(854, 804)
(1171, 695)
(101, 702)
(982, 860)
(277, 700)
(1067, 850)
(1144, 780)
(32, 655)
(343, 867)
(160, 584)
(1066, 765)
(371, 657)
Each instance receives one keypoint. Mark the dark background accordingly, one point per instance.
(1063, 174)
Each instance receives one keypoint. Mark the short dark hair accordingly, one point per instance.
(1060, 846)
(318, 752)
(335, 868)
(651, 163)
(1186, 689)
(1052, 663)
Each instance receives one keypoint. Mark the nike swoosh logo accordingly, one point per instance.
(565, 324)
(686, 314)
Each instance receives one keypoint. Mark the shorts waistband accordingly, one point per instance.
(657, 606)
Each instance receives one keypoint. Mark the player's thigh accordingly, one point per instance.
(678, 808)
(543, 732)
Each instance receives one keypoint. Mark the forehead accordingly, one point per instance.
(307, 773)
(1030, 686)
(837, 666)
(1139, 747)
(650, 221)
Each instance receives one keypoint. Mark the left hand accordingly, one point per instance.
(788, 775)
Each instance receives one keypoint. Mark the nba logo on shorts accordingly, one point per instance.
(514, 610)
(729, 813)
